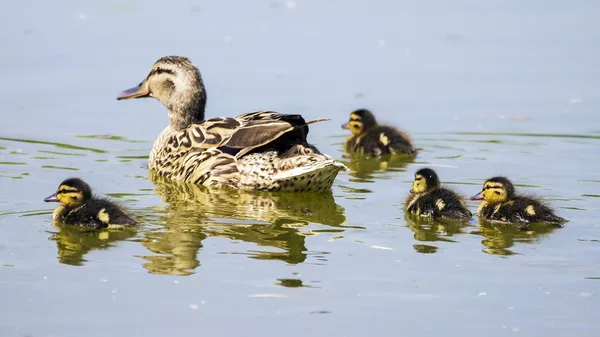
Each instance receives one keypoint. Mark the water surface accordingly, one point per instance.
(483, 88)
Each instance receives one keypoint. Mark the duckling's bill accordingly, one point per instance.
(478, 196)
(136, 92)
(345, 126)
(51, 198)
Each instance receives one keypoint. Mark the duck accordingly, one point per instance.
(260, 150)
(78, 206)
(370, 138)
(501, 203)
(429, 199)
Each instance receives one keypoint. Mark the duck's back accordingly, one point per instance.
(98, 213)
(381, 140)
(257, 150)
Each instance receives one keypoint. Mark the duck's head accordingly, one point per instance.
(425, 180)
(71, 193)
(496, 190)
(360, 121)
(178, 85)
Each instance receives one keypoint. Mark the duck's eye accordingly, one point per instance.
(497, 192)
(74, 197)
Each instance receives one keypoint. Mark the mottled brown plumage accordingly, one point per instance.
(262, 150)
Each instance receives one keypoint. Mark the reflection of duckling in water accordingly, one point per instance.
(363, 167)
(73, 243)
(80, 207)
(498, 239)
(428, 198)
(502, 204)
(377, 140)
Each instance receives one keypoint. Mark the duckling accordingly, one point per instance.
(261, 150)
(79, 207)
(373, 139)
(501, 203)
(428, 198)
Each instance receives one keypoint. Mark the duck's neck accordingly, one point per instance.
(187, 108)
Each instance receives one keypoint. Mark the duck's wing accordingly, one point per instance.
(239, 135)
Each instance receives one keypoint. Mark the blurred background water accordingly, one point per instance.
(484, 88)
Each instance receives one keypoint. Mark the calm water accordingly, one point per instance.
(484, 88)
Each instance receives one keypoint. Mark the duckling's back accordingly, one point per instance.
(382, 140)
(441, 202)
(99, 213)
(521, 209)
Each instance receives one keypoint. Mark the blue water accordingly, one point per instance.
(484, 88)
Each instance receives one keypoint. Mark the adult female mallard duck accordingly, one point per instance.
(262, 150)
(373, 139)
(501, 203)
(429, 198)
(79, 207)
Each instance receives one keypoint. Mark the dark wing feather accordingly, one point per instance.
(240, 135)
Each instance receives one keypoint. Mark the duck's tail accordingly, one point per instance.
(316, 177)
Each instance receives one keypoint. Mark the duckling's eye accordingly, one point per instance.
(497, 192)
(74, 197)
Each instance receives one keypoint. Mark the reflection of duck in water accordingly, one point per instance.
(318, 208)
(499, 238)
(274, 220)
(502, 204)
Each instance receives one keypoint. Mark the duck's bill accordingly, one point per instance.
(51, 198)
(478, 196)
(135, 92)
(345, 126)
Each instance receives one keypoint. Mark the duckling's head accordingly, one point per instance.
(71, 193)
(178, 85)
(360, 122)
(425, 180)
(496, 190)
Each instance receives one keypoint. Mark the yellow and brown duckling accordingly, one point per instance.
(373, 139)
(501, 203)
(262, 150)
(429, 198)
(78, 206)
